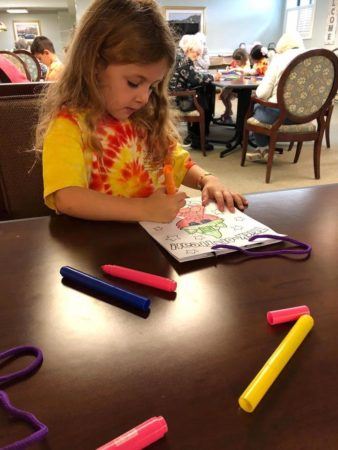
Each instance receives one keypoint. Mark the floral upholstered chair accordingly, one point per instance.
(32, 64)
(305, 92)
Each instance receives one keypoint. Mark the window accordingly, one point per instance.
(299, 15)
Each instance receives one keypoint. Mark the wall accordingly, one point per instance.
(230, 22)
(54, 25)
(80, 7)
(319, 26)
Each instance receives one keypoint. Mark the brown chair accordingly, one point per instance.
(195, 116)
(328, 116)
(305, 92)
(21, 186)
(19, 64)
(32, 64)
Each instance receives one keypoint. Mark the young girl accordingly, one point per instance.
(105, 124)
(240, 64)
(259, 59)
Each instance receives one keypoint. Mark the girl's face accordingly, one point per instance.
(126, 87)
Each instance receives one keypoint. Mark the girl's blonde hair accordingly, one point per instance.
(115, 32)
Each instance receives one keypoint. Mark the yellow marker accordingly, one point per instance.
(258, 387)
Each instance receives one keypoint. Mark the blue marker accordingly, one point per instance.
(102, 287)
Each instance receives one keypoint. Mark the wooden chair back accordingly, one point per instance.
(308, 86)
(195, 116)
(21, 186)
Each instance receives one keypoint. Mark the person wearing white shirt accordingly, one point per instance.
(288, 47)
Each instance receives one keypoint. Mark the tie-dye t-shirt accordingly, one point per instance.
(121, 170)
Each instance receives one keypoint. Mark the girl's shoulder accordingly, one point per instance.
(70, 115)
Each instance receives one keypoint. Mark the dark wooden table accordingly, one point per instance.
(243, 87)
(107, 369)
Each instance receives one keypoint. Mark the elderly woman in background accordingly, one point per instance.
(185, 76)
(21, 44)
(288, 47)
(203, 62)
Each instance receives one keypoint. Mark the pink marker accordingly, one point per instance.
(286, 315)
(139, 437)
(149, 279)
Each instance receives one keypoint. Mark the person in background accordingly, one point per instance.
(105, 127)
(185, 77)
(10, 73)
(43, 49)
(259, 60)
(288, 47)
(240, 64)
(21, 44)
(203, 62)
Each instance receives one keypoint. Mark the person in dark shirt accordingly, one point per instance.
(185, 77)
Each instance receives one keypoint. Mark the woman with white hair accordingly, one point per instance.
(203, 62)
(288, 47)
(185, 76)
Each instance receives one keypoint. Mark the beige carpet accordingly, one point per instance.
(284, 175)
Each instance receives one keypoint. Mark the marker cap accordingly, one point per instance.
(286, 315)
(139, 437)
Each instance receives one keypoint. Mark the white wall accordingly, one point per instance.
(230, 22)
(80, 7)
(319, 26)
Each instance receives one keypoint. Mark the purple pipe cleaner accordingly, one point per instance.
(28, 417)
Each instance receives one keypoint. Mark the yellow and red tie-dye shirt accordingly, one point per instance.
(121, 169)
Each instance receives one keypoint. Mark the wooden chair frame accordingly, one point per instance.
(182, 117)
(276, 135)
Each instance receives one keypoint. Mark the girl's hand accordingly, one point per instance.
(213, 189)
(160, 207)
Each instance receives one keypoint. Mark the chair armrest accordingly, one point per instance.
(186, 93)
(264, 102)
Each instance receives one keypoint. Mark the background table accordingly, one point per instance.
(243, 87)
(107, 369)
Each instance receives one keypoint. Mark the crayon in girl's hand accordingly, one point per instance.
(169, 179)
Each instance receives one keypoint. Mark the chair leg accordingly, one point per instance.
(202, 137)
(244, 145)
(272, 146)
(290, 146)
(327, 126)
(298, 150)
(316, 157)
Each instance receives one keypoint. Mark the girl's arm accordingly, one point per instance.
(213, 189)
(88, 204)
